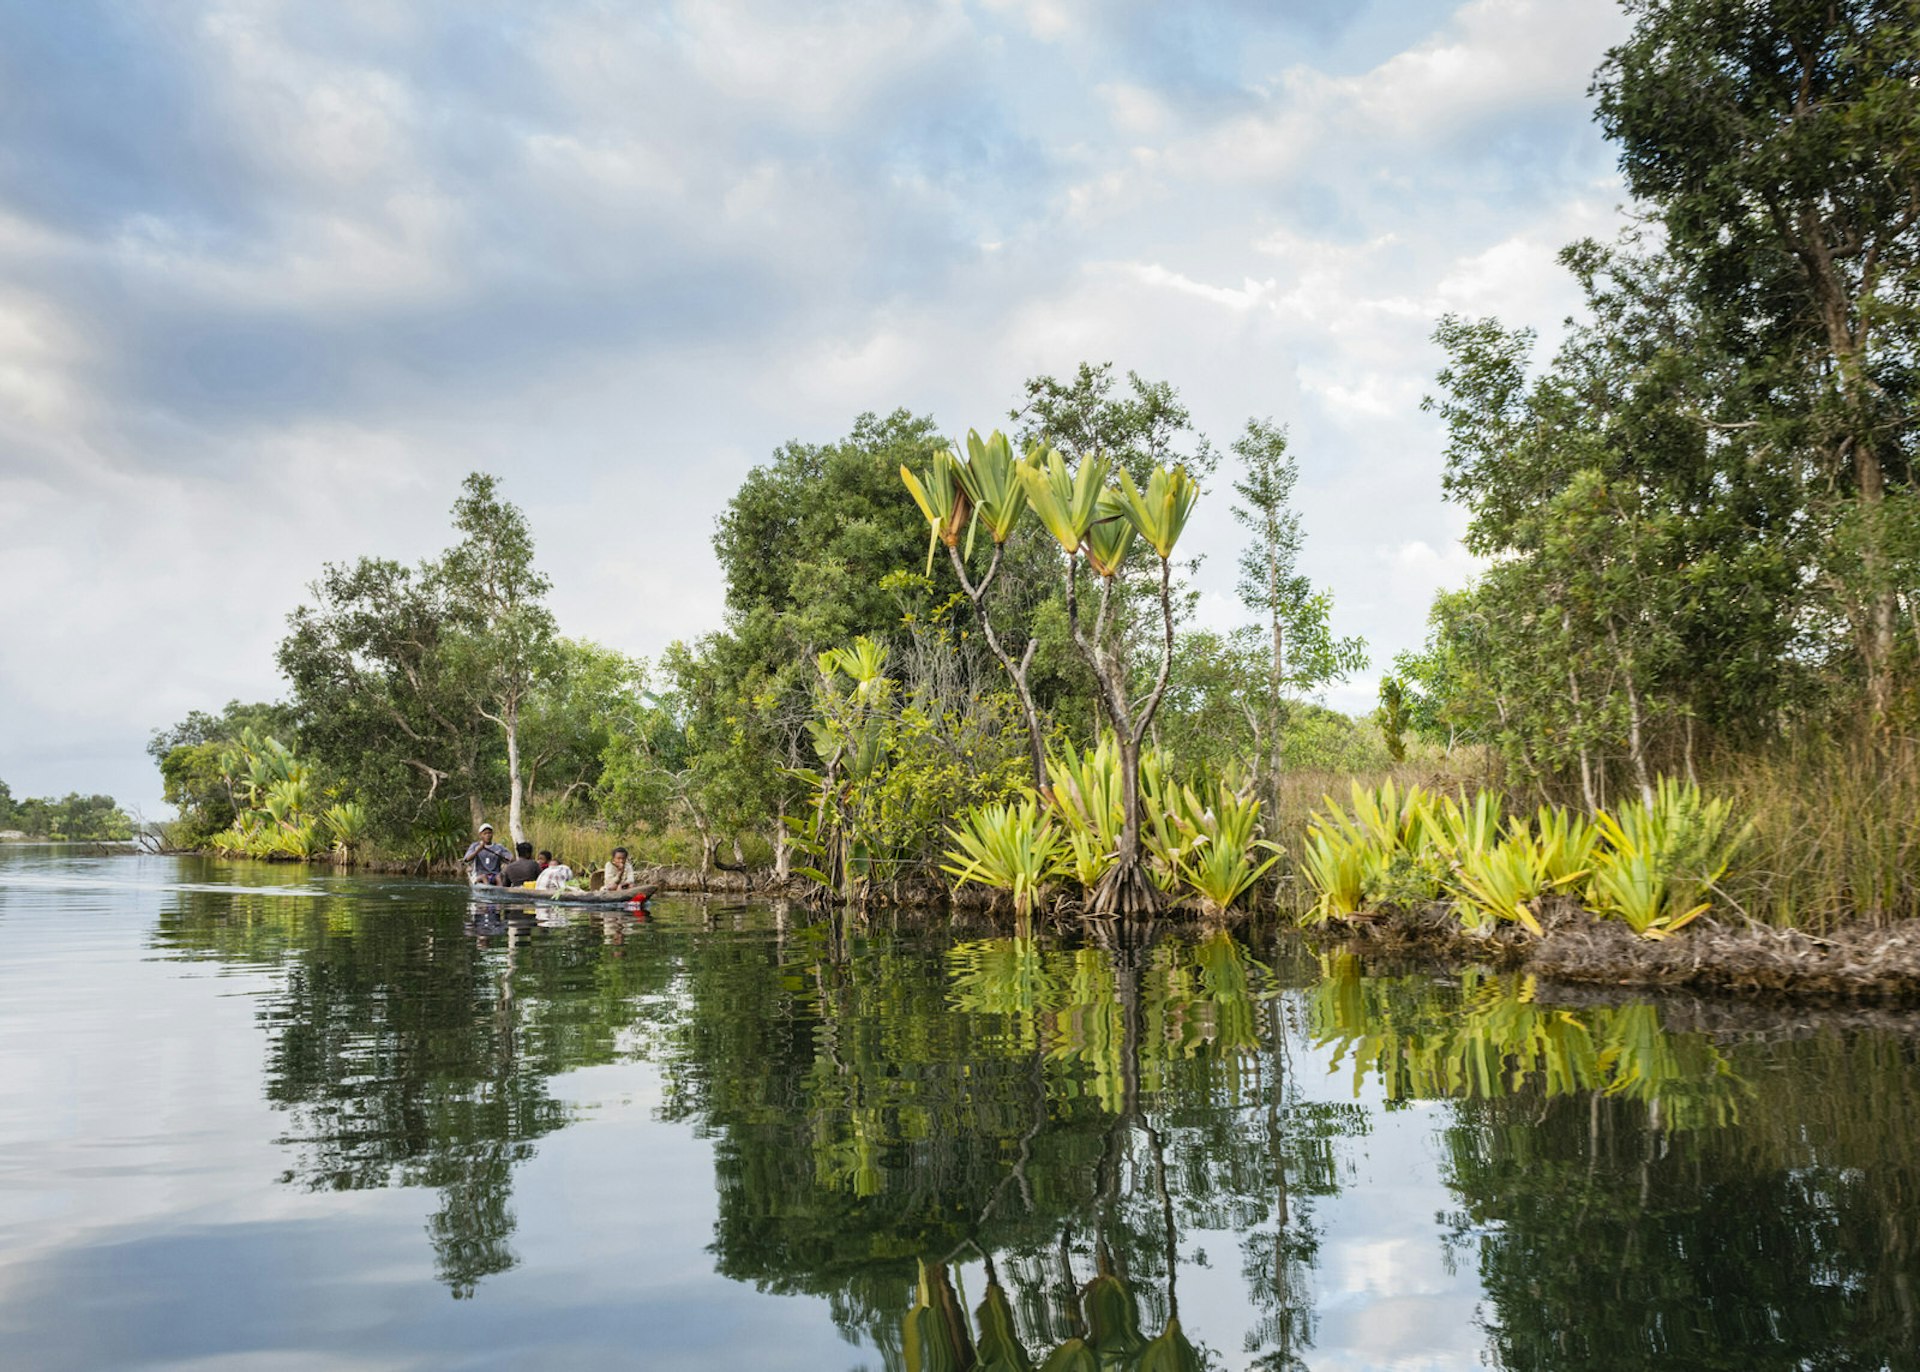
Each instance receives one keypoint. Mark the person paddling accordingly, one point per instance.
(485, 858)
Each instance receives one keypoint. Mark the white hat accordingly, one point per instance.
(487, 827)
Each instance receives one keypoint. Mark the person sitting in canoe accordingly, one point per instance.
(485, 858)
(619, 874)
(554, 876)
(523, 869)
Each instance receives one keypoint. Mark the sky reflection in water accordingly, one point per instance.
(241, 1126)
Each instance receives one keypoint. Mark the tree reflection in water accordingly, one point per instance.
(407, 1053)
(889, 1107)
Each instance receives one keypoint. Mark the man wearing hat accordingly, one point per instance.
(485, 858)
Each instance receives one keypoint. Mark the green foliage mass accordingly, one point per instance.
(1701, 511)
(73, 818)
(426, 695)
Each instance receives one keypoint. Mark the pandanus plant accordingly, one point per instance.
(984, 491)
(1012, 847)
(942, 499)
(848, 731)
(1094, 522)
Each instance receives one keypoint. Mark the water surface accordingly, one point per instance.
(261, 1117)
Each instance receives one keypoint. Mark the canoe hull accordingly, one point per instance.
(494, 895)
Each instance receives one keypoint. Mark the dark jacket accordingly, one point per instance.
(519, 870)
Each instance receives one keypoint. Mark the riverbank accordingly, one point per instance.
(1856, 959)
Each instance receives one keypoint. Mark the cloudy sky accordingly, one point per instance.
(274, 275)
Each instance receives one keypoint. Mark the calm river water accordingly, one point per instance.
(260, 1118)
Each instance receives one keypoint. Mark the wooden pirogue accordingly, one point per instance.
(495, 895)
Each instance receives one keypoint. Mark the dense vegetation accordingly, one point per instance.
(75, 817)
(851, 687)
(1699, 515)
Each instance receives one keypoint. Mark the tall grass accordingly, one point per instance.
(1836, 830)
(582, 843)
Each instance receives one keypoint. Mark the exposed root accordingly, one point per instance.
(1863, 960)
(1854, 960)
(1126, 892)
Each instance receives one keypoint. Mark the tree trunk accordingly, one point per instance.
(1127, 890)
(1847, 339)
(1636, 738)
(510, 721)
(1276, 676)
(1036, 736)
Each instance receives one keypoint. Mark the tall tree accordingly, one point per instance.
(1136, 428)
(507, 639)
(1305, 655)
(1778, 141)
(1094, 524)
(1649, 565)
(376, 690)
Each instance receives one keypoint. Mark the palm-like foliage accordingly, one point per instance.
(1161, 512)
(1066, 503)
(1461, 829)
(1504, 881)
(864, 664)
(1338, 863)
(1652, 863)
(1662, 857)
(1388, 851)
(1109, 536)
(991, 479)
(1567, 841)
(942, 498)
(1222, 863)
(346, 825)
(1085, 787)
(1013, 848)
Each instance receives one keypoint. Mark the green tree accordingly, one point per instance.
(1645, 570)
(505, 646)
(193, 778)
(1137, 428)
(374, 681)
(409, 683)
(567, 724)
(1778, 142)
(1304, 655)
(805, 545)
(809, 536)
(75, 818)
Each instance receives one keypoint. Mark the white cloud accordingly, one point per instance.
(643, 249)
